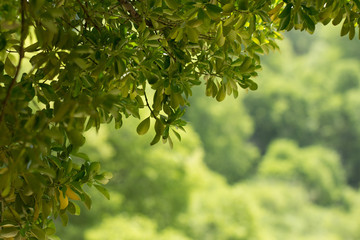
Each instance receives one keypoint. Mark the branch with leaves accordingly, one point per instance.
(23, 33)
(85, 72)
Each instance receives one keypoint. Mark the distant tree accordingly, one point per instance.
(309, 102)
(68, 66)
(225, 129)
(131, 228)
(316, 168)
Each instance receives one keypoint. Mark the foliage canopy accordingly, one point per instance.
(69, 65)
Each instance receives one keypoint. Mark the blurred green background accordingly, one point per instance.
(279, 163)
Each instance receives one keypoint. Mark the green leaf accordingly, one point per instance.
(246, 64)
(351, 32)
(75, 137)
(5, 137)
(143, 127)
(213, 11)
(48, 172)
(48, 92)
(61, 109)
(253, 86)
(38, 232)
(156, 139)
(213, 8)
(179, 35)
(345, 29)
(8, 232)
(178, 136)
(9, 67)
(103, 190)
(220, 39)
(357, 2)
(64, 218)
(81, 155)
(32, 48)
(172, 4)
(192, 35)
(103, 178)
(170, 142)
(264, 16)
(287, 11)
(237, 62)
(284, 22)
(81, 63)
(195, 23)
(159, 127)
(338, 18)
(229, 7)
(94, 167)
(73, 208)
(46, 208)
(241, 22)
(309, 22)
(243, 4)
(2, 42)
(221, 94)
(87, 200)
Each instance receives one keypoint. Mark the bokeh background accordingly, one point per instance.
(279, 163)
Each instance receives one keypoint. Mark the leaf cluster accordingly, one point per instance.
(68, 66)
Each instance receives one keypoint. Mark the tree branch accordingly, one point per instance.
(127, 6)
(21, 56)
(168, 52)
(131, 10)
(82, 34)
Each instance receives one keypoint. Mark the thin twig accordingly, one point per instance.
(82, 34)
(86, 38)
(169, 53)
(88, 16)
(21, 56)
(135, 16)
(148, 105)
(2, 210)
(131, 10)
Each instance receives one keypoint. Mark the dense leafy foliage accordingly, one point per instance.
(68, 66)
(297, 190)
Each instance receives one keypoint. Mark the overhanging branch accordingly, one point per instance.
(88, 15)
(135, 16)
(131, 10)
(21, 56)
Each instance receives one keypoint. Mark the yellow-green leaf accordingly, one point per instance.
(143, 126)
(228, 7)
(172, 4)
(221, 94)
(8, 232)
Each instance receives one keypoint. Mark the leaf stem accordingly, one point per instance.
(148, 105)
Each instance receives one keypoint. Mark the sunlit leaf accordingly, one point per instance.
(144, 126)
